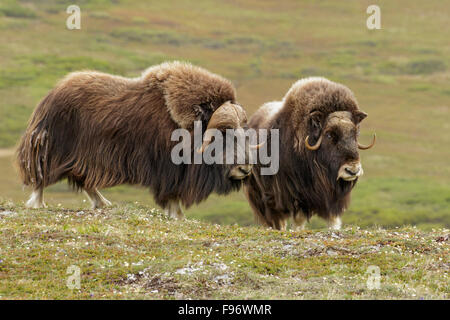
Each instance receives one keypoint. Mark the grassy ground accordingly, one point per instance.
(132, 252)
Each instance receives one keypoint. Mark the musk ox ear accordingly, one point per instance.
(359, 116)
(203, 111)
(315, 123)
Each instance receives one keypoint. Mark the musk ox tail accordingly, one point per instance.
(33, 151)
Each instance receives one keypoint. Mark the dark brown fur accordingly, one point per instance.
(306, 182)
(100, 131)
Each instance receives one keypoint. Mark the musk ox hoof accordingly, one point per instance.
(33, 205)
(299, 221)
(335, 223)
(36, 200)
(101, 204)
(174, 211)
(98, 201)
(177, 215)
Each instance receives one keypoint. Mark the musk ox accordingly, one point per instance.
(318, 122)
(99, 130)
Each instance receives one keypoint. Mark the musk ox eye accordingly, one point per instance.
(330, 136)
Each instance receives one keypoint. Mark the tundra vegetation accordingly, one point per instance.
(400, 75)
(130, 252)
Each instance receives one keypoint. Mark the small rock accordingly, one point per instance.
(223, 279)
(220, 266)
(442, 238)
(331, 252)
(7, 213)
(334, 235)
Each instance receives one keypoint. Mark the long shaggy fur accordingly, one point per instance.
(302, 185)
(100, 131)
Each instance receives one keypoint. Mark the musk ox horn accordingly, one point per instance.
(227, 116)
(362, 147)
(206, 141)
(314, 147)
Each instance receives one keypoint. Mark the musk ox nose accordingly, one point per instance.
(245, 169)
(241, 171)
(350, 171)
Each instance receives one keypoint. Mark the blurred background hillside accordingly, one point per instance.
(400, 75)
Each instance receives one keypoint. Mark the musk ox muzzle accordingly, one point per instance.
(350, 171)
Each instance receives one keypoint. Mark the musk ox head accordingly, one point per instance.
(194, 95)
(230, 119)
(330, 129)
(337, 145)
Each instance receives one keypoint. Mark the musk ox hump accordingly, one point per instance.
(190, 92)
(263, 116)
(318, 94)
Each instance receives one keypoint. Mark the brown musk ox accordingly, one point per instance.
(319, 164)
(99, 130)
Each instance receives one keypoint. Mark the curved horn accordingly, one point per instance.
(362, 147)
(314, 147)
(206, 141)
(227, 116)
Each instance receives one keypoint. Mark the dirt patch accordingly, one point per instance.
(168, 285)
(156, 282)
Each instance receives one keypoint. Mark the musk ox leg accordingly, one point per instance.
(299, 221)
(97, 199)
(283, 225)
(36, 200)
(335, 223)
(279, 223)
(173, 210)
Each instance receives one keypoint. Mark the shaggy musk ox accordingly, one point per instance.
(99, 130)
(318, 122)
